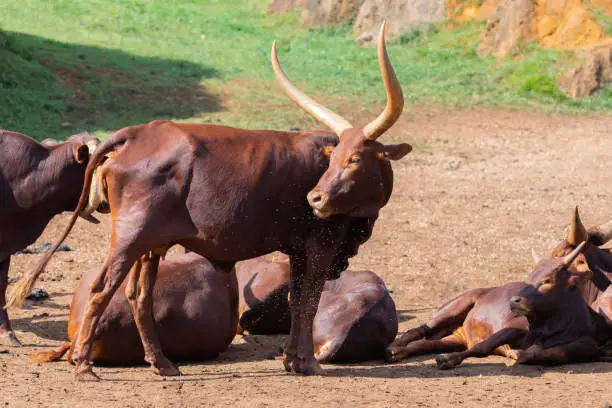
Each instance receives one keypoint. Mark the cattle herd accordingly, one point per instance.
(309, 199)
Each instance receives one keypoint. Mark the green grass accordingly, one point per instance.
(97, 65)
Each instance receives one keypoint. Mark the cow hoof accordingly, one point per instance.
(84, 372)
(445, 362)
(392, 354)
(167, 370)
(306, 367)
(9, 339)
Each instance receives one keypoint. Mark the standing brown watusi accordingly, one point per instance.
(233, 194)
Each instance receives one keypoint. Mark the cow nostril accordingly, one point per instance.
(317, 199)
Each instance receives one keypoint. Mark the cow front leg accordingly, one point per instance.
(583, 349)
(510, 336)
(7, 335)
(113, 272)
(298, 270)
(139, 292)
(318, 265)
(425, 346)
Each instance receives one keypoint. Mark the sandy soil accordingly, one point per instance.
(481, 188)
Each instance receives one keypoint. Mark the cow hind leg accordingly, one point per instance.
(139, 292)
(115, 269)
(451, 343)
(7, 335)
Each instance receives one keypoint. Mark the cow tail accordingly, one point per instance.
(53, 355)
(23, 288)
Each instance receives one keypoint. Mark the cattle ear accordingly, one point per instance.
(394, 152)
(81, 154)
(327, 151)
(579, 278)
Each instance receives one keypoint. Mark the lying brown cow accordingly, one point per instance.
(233, 194)
(355, 321)
(37, 181)
(195, 313)
(544, 320)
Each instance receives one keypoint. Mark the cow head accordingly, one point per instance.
(548, 285)
(359, 179)
(83, 145)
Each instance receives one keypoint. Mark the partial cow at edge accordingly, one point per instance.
(356, 318)
(37, 182)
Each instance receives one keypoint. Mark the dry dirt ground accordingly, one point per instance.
(480, 189)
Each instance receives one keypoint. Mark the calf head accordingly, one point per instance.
(359, 179)
(549, 285)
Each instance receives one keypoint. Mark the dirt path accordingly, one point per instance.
(482, 187)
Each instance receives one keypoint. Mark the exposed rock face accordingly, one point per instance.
(566, 24)
(555, 23)
(324, 12)
(593, 75)
(284, 6)
(510, 23)
(401, 16)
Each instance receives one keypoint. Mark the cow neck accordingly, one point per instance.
(569, 321)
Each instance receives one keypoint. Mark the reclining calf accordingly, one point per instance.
(355, 321)
(544, 320)
(195, 312)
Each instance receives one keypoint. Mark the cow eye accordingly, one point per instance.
(546, 281)
(355, 159)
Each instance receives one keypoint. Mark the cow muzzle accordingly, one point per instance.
(518, 306)
(319, 201)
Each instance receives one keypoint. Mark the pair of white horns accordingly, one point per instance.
(374, 129)
(567, 259)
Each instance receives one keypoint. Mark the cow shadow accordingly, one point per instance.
(55, 89)
(48, 327)
(427, 369)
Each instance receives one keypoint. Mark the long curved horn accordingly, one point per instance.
(577, 232)
(568, 259)
(395, 98)
(335, 122)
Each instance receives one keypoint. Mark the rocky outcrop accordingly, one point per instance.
(325, 12)
(284, 6)
(401, 16)
(510, 23)
(591, 76)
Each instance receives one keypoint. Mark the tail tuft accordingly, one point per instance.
(53, 355)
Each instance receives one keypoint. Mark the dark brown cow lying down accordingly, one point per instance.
(355, 321)
(195, 310)
(37, 181)
(544, 320)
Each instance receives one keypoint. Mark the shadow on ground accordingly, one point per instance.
(54, 89)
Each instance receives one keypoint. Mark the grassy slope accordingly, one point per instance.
(100, 65)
